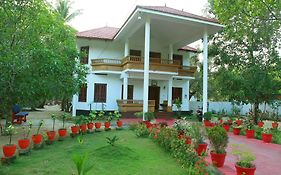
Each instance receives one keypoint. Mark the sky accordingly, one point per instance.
(113, 13)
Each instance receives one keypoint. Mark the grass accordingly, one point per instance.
(130, 156)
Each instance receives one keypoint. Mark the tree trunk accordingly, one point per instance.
(256, 110)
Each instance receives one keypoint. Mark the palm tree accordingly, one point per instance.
(63, 7)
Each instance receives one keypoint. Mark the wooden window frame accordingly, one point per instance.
(174, 93)
(135, 52)
(83, 93)
(99, 96)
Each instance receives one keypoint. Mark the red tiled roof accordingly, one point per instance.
(188, 48)
(103, 33)
(173, 11)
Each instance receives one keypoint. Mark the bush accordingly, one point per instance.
(218, 139)
(198, 134)
(141, 130)
(133, 126)
(165, 137)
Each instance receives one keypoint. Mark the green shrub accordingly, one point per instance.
(207, 115)
(198, 133)
(141, 130)
(133, 126)
(218, 139)
(166, 136)
(244, 155)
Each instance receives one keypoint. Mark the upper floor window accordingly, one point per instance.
(135, 53)
(178, 58)
(83, 93)
(84, 51)
(155, 57)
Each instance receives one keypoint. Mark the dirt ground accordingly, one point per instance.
(35, 117)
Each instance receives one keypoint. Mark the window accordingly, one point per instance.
(130, 92)
(177, 93)
(177, 58)
(84, 51)
(155, 57)
(100, 93)
(83, 93)
(135, 53)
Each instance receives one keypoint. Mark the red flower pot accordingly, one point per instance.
(250, 133)
(37, 139)
(226, 127)
(97, 125)
(188, 140)
(274, 125)
(9, 150)
(51, 135)
(107, 125)
(83, 128)
(74, 130)
(260, 124)
(244, 171)
(212, 124)
(229, 121)
(217, 159)
(148, 124)
(220, 121)
(62, 132)
(202, 147)
(236, 131)
(207, 123)
(24, 143)
(119, 124)
(239, 122)
(90, 125)
(267, 138)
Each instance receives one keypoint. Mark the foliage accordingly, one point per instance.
(38, 55)
(53, 116)
(26, 130)
(63, 8)
(109, 117)
(10, 130)
(111, 141)
(218, 139)
(267, 130)
(100, 115)
(166, 137)
(148, 115)
(198, 133)
(182, 125)
(141, 130)
(249, 122)
(117, 115)
(178, 104)
(207, 115)
(41, 123)
(133, 126)
(244, 155)
(235, 125)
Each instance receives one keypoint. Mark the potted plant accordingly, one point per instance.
(75, 127)
(62, 131)
(218, 139)
(249, 128)
(83, 123)
(25, 141)
(51, 134)
(99, 116)
(9, 150)
(275, 121)
(108, 119)
(198, 134)
(149, 116)
(180, 129)
(207, 117)
(244, 165)
(260, 123)
(90, 124)
(236, 128)
(266, 135)
(225, 123)
(37, 138)
(117, 115)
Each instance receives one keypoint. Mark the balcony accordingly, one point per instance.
(136, 62)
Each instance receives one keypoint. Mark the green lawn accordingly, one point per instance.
(131, 156)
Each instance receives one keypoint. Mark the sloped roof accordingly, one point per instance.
(173, 11)
(188, 48)
(103, 33)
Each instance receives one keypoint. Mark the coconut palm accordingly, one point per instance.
(63, 7)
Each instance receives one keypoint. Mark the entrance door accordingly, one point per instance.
(154, 94)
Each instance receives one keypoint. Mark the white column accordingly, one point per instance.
(186, 95)
(127, 48)
(125, 87)
(146, 67)
(170, 92)
(205, 71)
(171, 52)
(74, 104)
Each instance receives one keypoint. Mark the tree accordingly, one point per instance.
(246, 51)
(38, 55)
(63, 8)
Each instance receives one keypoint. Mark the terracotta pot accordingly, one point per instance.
(244, 171)
(90, 125)
(267, 138)
(62, 132)
(83, 128)
(51, 135)
(37, 139)
(188, 140)
(107, 125)
(212, 124)
(250, 133)
(260, 124)
(119, 124)
(274, 125)
(217, 159)
(236, 131)
(239, 122)
(202, 147)
(74, 130)
(97, 125)
(9, 150)
(226, 127)
(24, 143)
(207, 123)
(220, 121)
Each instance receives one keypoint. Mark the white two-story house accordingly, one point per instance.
(145, 64)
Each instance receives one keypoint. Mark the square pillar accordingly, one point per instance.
(146, 67)
(171, 52)
(74, 104)
(170, 93)
(127, 48)
(205, 72)
(185, 101)
(125, 87)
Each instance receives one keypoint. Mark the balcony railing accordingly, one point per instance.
(134, 105)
